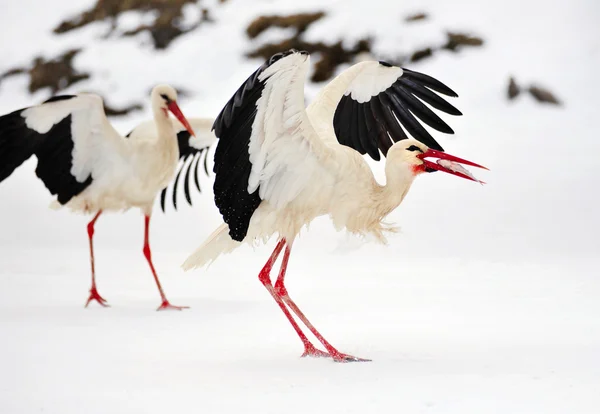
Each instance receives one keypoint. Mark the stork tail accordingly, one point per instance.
(219, 242)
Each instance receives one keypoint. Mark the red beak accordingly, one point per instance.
(174, 108)
(449, 167)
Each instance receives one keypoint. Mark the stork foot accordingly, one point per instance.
(311, 351)
(339, 357)
(94, 295)
(165, 305)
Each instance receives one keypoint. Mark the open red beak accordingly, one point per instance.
(174, 108)
(450, 166)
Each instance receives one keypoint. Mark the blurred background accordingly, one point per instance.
(525, 72)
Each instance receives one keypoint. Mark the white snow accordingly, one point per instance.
(486, 302)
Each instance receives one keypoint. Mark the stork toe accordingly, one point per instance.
(311, 351)
(94, 295)
(166, 305)
(339, 357)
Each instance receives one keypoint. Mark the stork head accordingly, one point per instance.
(164, 100)
(418, 156)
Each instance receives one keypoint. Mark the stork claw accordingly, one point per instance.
(339, 357)
(94, 295)
(311, 351)
(165, 305)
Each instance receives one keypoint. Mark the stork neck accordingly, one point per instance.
(164, 125)
(399, 177)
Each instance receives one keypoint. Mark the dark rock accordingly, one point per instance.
(456, 40)
(164, 29)
(330, 56)
(543, 95)
(421, 54)
(300, 22)
(416, 17)
(56, 74)
(513, 89)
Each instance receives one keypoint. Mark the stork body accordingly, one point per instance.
(90, 167)
(278, 165)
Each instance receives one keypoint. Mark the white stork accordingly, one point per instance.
(92, 169)
(278, 165)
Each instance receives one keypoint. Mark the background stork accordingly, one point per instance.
(91, 168)
(278, 165)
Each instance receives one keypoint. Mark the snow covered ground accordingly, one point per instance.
(487, 302)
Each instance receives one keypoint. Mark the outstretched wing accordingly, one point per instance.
(384, 103)
(267, 148)
(193, 151)
(69, 135)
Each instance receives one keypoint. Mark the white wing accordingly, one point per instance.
(284, 147)
(71, 138)
(267, 148)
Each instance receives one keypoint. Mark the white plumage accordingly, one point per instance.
(371, 79)
(298, 170)
(90, 167)
(284, 150)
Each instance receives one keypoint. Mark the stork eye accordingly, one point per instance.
(165, 97)
(414, 148)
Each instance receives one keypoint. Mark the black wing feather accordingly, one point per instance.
(411, 124)
(53, 150)
(196, 179)
(374, 125)
(17, 143)
(174, 195)
(383, 138)
(205, 166)
(428, 96)
(421, 111)
(355, 122)
(395, 129)
(343, 124)
(370, 132)
(186, 151)
(163, 197)
(428, 81)
(341, 119)
(186, 181)
(232, 166)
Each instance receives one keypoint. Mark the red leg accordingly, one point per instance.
(94, 295)
(265, 278)
(281, 291)
(148, 254)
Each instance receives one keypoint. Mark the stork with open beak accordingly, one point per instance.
(279, 165)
